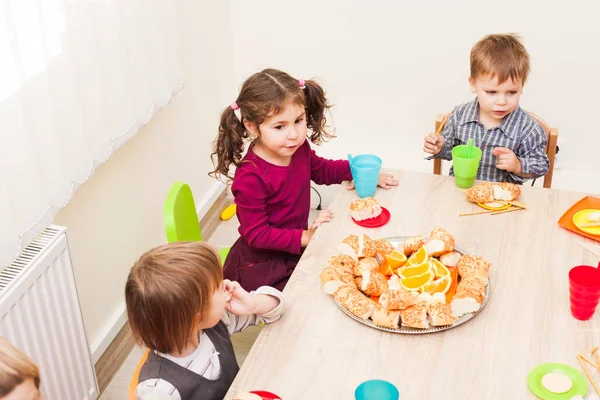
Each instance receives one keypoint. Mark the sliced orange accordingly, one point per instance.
(439, 268)
(395, 259)
(413, 270)
(386, 269)
(415, 283)
(419, 257)
(441, 285)
(454, 278)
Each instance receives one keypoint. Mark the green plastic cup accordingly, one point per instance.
(465, 165)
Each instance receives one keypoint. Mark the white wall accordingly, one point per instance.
(390, 66)
(117, 214)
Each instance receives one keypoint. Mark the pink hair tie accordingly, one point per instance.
(301, 83)
(236, 111)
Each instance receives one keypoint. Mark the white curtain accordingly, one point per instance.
(77, 80)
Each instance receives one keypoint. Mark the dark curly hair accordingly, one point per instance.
(263, 95)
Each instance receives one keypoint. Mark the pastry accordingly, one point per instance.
(385, 318)
(355, 301)
(450, 259)
(440, 242)
(506, 191)
(366, 208)
(415, 316)
(481, 193)
(333, 278)
(342, 263)
(594, 217)
(468, 264)
(365, 264)
(398, 299)
(373, 283)
(394, 283)
(466, 300)
(382, 248)
(411, 245)
(358, 246)
(440, 313)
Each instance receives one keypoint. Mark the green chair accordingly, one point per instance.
(180, 218)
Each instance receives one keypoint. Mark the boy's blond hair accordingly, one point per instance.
(168, 292)
(15, 368)
(502, 56)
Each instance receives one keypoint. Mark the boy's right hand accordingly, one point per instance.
(433, 144)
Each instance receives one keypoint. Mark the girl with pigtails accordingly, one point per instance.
(275, 113)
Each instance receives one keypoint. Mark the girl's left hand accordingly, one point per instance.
(241, 302)
(386, 181)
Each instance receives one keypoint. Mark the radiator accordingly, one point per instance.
(40, 314)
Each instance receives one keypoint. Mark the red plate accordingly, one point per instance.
(266, 395)
(376, 222)
(566, 221)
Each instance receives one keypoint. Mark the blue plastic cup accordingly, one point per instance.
(376, 389)
(365, 170)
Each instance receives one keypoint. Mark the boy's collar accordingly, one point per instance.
(471, 114)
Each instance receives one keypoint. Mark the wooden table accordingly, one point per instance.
(317, 352)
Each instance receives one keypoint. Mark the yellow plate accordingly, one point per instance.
(485, 205)
(581, 217)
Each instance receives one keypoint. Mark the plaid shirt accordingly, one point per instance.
(518, 131)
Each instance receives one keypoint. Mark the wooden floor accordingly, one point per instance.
(225, 234)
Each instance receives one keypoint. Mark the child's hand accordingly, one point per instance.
(322, 216)
(306, 237)
(433, 144)
(507, 160)
(385, 181)
(241, 302)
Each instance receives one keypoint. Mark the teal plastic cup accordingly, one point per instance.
(465, 165)
(365, 170)
(376, 389)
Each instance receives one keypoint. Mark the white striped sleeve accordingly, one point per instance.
(156, 389)
(237, 323)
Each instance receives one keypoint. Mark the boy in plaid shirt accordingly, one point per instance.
(512, 143)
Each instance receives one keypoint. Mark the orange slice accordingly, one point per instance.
(415, 283)
(419, 257)
(454, 284)
(386, 269)
(439, 268)
(413, 270)
(441, 285)
(395, 259)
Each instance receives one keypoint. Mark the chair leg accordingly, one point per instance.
(551, 153)
(437, 166)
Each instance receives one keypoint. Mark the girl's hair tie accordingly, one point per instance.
(301, 83)
(236, 111)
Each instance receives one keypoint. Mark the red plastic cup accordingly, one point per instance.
(584, 289)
